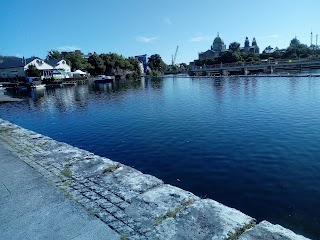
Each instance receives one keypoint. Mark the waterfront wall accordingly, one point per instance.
(136, 205)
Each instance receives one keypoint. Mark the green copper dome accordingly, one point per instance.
(218, 40)
(218, 44)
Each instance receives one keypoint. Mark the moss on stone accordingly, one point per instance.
(111, 168)
(236, 235)
(66, 172)
(123, 237)
(173, 213)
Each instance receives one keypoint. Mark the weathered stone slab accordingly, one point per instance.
(92, 166)
(126, 181)
(157, 204)
(266, 231)
(204, 219)
(64, 153)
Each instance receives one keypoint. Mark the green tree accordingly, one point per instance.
(294, 42)
(156, 63)
(33, 71)
(230, 57)
(297, 49)
(115, 62)
(77, 60)
(96, 65)
(54, 54)
(108, 62)
(234, 46)
(251, 57)
(277, 53)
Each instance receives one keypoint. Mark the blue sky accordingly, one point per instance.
(127, 27)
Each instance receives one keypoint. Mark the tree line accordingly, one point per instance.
(112, 63)
(98, 64)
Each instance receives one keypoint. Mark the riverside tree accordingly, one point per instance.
(297, 49)
(156, 64)
(54, 54)
(32, 71)
(77, 60)
(116, 63)
(96, 65)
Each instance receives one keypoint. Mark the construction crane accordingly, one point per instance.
(175, 56)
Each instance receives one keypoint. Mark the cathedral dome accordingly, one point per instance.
(218, 44)
(218, 40)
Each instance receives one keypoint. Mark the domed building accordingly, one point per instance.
(216, 49)
(218, 44)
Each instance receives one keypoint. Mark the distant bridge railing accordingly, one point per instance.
(257, 65)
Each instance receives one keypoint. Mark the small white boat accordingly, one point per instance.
(103, 79)
(40, 86)
(2, 88)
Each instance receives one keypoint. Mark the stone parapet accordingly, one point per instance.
(136, 205)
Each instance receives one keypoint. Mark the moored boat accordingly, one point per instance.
(103, 79)
(40, 86)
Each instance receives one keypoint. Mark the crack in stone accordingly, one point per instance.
(5, 187)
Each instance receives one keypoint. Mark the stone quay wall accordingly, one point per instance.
(136, 205)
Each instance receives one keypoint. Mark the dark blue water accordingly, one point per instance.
(250, 143)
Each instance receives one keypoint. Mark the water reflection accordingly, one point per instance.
(294, 85)
(123, 85)
(235, 86)
(156, 83)
(68, 98)
(218, 87)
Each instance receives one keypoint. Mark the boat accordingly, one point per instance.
(39, 86)
(2, 88)
(103, 79)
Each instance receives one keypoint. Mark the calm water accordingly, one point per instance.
(250, 143)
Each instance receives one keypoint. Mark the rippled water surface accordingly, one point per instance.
(250, 143)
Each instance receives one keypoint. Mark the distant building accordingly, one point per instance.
(59, 64)
(268, 49)
(218, 47)
(250, 49)
(215, 50)
(16, 67)
(143, 62)
(11, 67)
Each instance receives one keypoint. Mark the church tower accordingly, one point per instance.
(247, 43)
(254, 42)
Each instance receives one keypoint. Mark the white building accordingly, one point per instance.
(59, 64)
(11, 67)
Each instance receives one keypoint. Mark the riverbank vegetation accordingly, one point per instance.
(158, 67)
(115, 64)
(98, 64)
